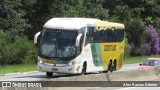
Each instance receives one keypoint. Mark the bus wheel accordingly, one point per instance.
(114, 66)
(110, 67)
(84, 68)
(49, 74)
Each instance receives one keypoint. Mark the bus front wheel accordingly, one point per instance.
(84, 68)
(49, 74)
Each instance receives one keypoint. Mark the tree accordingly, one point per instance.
(43, 10)
(12, 16)
(123, 13)
(134, 30)
(94, 9)
(151, 45)
(111, 5)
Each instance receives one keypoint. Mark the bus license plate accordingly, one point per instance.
(54, 69)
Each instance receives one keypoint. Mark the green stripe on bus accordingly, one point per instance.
(96, 54)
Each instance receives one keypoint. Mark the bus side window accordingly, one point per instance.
(116, 35)
(109, 36)
(120, 35)
(89, 35)
(96, 37)
(102, 36)
(113, 34)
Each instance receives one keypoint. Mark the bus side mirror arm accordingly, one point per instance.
(78, 40)
(36, 37)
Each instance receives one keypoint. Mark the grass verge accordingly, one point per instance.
(17, 68)
(128, 60)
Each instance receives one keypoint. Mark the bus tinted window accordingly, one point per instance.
(113, 35)
(107, 35)
(120, 35)
(89, 35)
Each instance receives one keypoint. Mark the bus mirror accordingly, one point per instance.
(36, 37)
(78, 40)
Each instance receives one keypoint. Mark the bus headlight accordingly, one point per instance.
(71, 63)
(39, 60)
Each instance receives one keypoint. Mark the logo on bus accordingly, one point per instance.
(110, 48)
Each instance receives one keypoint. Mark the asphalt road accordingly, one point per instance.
(38, 76)
(127, 67)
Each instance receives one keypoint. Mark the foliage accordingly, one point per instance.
(17, 52)
(27, 17)
(43, 10)
(151, 45)
(128, 48)
(134, 30)
(122, 12)
(146, 49)
(11, 16)
(135, 51)
(157, 25)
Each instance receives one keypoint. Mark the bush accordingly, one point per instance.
(4, 49)
(151, 45)
(134, 30)
(24, 50)
(19, 51)
(128, 48)
(146, 49)
(135, 51)
(159, 46)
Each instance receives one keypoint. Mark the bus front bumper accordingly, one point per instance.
(70, 69)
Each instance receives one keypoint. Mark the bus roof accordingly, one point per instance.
(69, 23)
(77, 23)
(105, 24)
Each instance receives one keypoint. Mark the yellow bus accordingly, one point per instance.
(80, 45)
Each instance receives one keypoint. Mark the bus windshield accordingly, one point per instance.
(58, 43)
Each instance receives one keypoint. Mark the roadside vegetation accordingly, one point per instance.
(17, 68)
(138, 59)
(21, 19)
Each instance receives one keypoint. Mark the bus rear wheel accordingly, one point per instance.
(49, 74)
(110, 68)
(114, 66)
